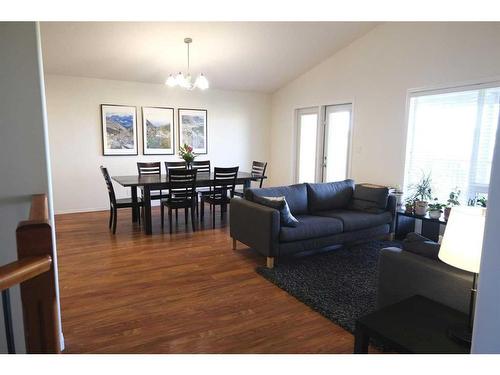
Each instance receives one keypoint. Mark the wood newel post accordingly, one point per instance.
(41, 319)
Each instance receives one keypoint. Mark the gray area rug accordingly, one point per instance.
(340, 284)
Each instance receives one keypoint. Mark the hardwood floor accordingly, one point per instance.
(181, 293)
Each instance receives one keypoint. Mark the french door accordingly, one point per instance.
(323, 143)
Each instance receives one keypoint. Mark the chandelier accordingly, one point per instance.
(186, 81)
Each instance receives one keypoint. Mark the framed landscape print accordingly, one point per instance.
(119, 129)
(193, 129)
(158, 130)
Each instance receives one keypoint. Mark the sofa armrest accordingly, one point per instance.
(391, 207)
(255, 225)
(403, 274)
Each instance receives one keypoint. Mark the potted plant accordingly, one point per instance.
(422, 194)
(186, 153)
(481, 202)
(435, 209)
(451, 202)
(409, 205)
(478, 201)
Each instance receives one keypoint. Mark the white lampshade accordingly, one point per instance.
(180, 80)
(463, 238)
(201, 82)
(171, 81)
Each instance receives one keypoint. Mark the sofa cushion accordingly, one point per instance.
(330, 195)
(420, 245)
(311, 227)
(369, 198)
(280, 204)
(295, 195)
(356, 220)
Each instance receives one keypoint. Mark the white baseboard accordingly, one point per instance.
(93, 209)
(79, 210)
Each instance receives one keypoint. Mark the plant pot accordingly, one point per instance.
(447, 211)
(409, 208)
(421, 208)
(435, 214)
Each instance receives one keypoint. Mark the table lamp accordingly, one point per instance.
(461, 247)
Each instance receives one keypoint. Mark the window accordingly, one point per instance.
(451, 135)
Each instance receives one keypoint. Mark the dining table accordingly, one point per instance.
(150, 183)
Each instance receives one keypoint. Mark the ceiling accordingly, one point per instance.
(251, 56)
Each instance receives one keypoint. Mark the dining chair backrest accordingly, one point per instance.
(182, 184)
(201, 166)
(259, 170)
(224, 180)
(109, 185)
(146, 169)
(171, 165)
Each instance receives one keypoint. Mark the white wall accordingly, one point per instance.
(486, 337)
(238, 129)
(375, 73)
(23, 158)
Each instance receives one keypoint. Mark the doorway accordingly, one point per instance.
(323, 143)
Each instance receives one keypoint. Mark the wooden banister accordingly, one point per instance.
(34, 272)
(39, 210)
(21, 270)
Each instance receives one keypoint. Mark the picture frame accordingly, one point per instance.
(158, 131)
(193, 129)
(119, 130)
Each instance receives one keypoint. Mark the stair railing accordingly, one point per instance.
(34, 271)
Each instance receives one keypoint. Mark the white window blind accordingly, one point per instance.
(451, 135)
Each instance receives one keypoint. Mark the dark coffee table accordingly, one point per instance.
(414, 325)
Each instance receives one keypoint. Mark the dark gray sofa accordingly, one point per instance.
(328, 214)
(403, 274)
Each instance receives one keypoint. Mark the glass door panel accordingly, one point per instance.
(307, 144)
(337, 142)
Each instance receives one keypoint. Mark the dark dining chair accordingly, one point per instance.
(150, 169)
(258, 171)
(170, 165)
(115, 204)
(175, 165)
(202, 166)
(222, 184)
(181, 194)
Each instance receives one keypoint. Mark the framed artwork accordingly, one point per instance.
(158, 130)
(193, 129)
(119, 129)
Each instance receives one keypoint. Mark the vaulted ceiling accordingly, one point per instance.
(253, 56)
